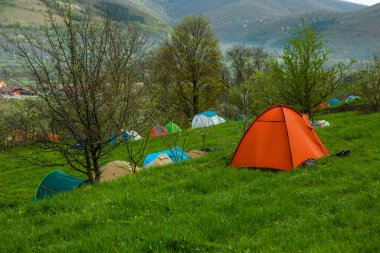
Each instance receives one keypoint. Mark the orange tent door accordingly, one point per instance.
(280, 138)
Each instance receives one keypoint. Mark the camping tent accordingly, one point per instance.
(157, 131)
(130, 135)
(206, 119)
(160, 160)
(333, 101)
(176, 154)
(115, 169)
(172, 128)
(280, 138)
(352, 98)
(112, 138)
(55, 182)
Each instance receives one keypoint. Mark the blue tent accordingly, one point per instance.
(112, 138)
(176, 154)
(334, 101)
(55, 182)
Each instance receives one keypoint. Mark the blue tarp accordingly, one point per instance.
(176, 154)
(334, 101)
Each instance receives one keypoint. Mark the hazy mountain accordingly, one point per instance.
(352, 30)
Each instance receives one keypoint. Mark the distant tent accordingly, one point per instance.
(239, 117)
(77, 145)
(206, 119)
(55, 182)
(160, 160)
(280, 138)
(333, 101)
(54, 137)
(112, 138)
(176, 154)
(172, 128)
(115, 169)
(130, 135)
(157, 131)
(352, 98)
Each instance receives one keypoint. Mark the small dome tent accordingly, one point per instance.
(176, 154)
(206, 119)
(333, 101)
(280, 138)
(54, 182)
(130, 135)
(352, 98)
(157, 131)
(172, 128)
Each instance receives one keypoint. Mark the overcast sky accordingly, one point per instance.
(366, 2)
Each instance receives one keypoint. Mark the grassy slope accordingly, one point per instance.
(330, 207)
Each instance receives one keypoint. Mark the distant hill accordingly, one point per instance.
(353, 34)
(31, 13)
(352, 30)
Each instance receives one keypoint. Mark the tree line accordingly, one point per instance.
(95, 76)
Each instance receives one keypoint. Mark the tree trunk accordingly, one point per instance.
(195, 98)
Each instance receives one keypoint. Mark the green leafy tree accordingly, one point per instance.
(301, 74)
(191, 58)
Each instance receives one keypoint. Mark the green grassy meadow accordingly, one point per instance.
(204, 206)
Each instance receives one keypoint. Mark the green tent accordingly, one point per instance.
(54, 182)
(172, 128)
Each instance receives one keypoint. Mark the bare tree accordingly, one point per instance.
(245, 89)
(84, 68)
(369, 82)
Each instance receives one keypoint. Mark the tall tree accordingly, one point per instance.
(84, 68)
(301, 73)
(246, 65)
(192, 56)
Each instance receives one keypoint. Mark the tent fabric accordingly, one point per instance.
(280, 138)
(206, 119)
(115, 169)
(176, 154)
(172, 128)
(352, 98)
(161, 160)
(54, 182)
(333, 101)
(157, 131)
(130, 135)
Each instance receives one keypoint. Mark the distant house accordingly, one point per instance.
(10, 90)
(6, 91)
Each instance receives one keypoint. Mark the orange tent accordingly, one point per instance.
(157, 131)
(280, 138)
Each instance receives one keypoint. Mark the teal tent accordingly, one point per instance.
(54, 182)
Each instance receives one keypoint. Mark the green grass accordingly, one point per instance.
(202, 205)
